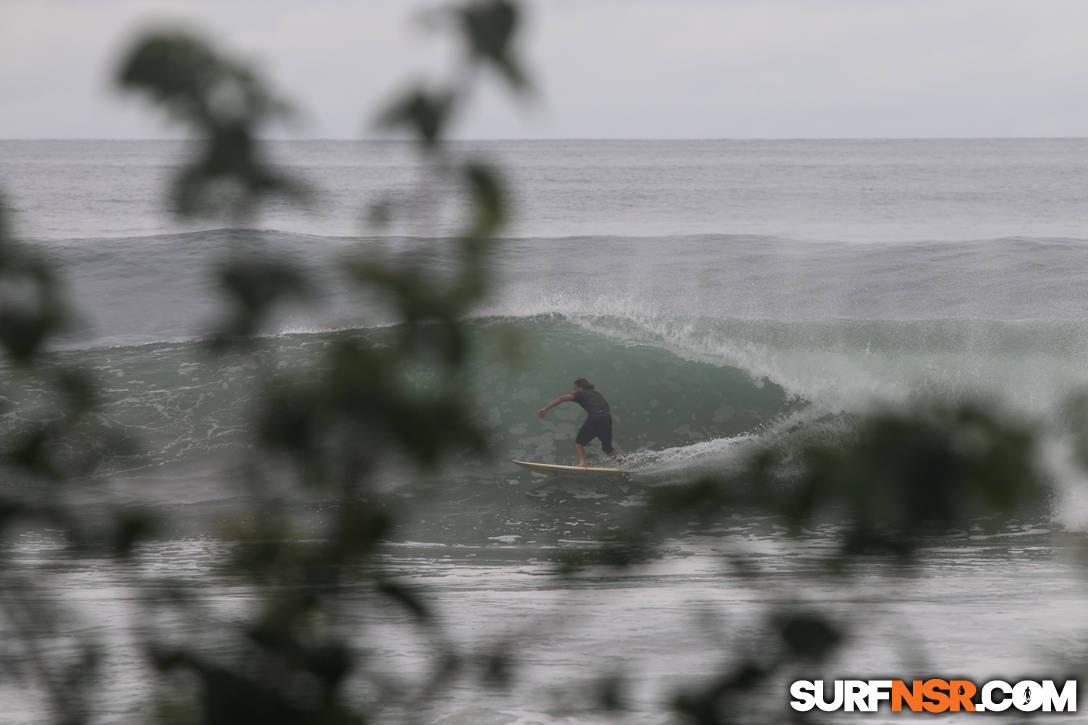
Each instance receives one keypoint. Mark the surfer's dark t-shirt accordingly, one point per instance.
(599, 423)
(592, 401)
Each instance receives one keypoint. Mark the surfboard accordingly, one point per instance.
(555, 469)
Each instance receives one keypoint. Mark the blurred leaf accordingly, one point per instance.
(380, 213)
(229, 177)
(1075, 415)
(254, 287)
(183, 73)
(489, 204)
(11, 510)
(422, 113)
(32, 308)
(488, 28)
(808, 636)
(611, 693)
(904, 476)
(406, 597)
(132, 526)
(915, 473)
(33, 452)
(230, 698)
(222, 101)
(721, 700)
(498, 667)
(79, 388)
(331, 663)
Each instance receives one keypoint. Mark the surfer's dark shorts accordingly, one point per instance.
(596, 426)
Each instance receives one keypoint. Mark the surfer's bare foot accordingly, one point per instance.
(582, 464)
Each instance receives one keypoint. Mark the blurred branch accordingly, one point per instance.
(907, 475)
(360, 409)
(223, 102)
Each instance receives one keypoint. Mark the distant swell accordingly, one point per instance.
(700, 341)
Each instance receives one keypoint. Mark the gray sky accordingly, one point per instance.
(603, 68)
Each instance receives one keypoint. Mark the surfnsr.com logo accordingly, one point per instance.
(934, 695)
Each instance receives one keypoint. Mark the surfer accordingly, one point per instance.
(598, 424)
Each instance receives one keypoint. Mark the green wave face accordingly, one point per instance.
(182, 409)
(659, 400)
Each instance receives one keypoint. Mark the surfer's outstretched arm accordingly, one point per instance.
(557, 401)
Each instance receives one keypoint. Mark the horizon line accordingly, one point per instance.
(565, 138)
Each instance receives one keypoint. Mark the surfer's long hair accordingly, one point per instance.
(583, 383)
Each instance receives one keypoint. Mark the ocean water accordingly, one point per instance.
(718, 293)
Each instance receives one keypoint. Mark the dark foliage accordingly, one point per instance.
(906, 475)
